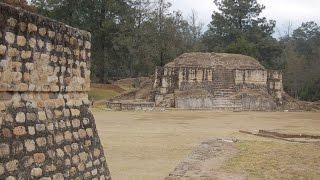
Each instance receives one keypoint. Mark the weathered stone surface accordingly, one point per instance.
(4, 150)
(21, 117)
(31, 130)
(19, 131)
(45, 77)
(42, 116)
(39, 157)
(21, 41)
(1, 169)
(31, 116)
(30, 145)
(10, 37)
(12, 165)
(41, 142)
(36, 172)
(3, 49)
(12, 22)
(75, 112)
(32, 27)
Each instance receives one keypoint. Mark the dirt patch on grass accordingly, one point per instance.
(206, 160)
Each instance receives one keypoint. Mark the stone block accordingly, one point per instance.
(25, 54)
(32, 27)
(76, 123)
(75, 112)
(12, 22)
(6, 133)
(4, 150)
(67, 149)
(3, 49)
(89, 132)
(81, 167)
(21, 41)
(1, 169)
(22, 26)
(31, 130)
(82, 133)
(42, 31)
(39, 157)
(41, 142)
(11, 178)
(75, 147)
(40, 43)
(12, 165)
(59, 138)
(87, 45)
(19, 131)
(96, 152)
(31, 116)
(58, 176)
(42, 116)
(36, 172)
(68, 136)
(12, 52)
(45, 178)
(20, 117)
(30, 145)
(51, 34)
(75, 160)
(10, 37)
(50, 168)
(60, 153)
(32, 42)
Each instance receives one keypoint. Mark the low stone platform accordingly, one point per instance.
(130, 106)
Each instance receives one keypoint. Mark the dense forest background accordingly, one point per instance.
(131, 37)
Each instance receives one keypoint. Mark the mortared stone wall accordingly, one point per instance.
(47, 130)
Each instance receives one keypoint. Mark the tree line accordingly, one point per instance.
(131, 37)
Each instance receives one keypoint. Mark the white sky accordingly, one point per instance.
(283, 11)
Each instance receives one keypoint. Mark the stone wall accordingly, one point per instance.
(251, 77)
(47, 130)
(188, 78)
(275, 84)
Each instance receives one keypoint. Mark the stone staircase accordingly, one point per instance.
(223, 89)
(225, 103)
(224, 92)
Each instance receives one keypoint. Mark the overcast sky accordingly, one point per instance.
(283, 11)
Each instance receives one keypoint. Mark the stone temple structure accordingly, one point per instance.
(47, 131)
(217, 81)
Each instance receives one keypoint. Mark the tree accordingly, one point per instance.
(130, 37)
(238, 28)
(302, 62)
(195, 31)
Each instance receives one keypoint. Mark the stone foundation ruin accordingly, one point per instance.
(46, 128)
(217, 81)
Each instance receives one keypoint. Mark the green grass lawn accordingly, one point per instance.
(97, 94)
